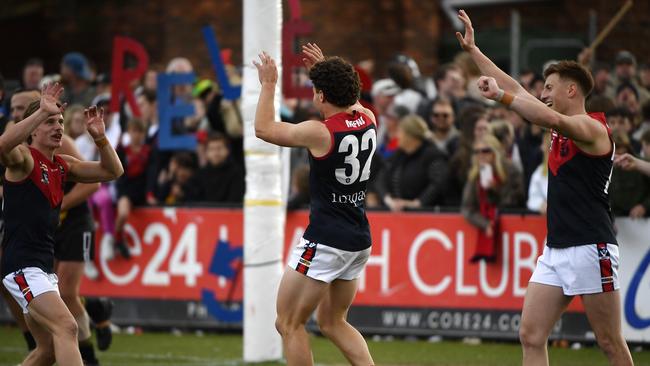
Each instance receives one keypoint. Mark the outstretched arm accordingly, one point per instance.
(309, 134)
(629, 162)
(584, 130)
(108, 167)
(486, 65)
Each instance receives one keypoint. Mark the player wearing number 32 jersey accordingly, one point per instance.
(323, 269)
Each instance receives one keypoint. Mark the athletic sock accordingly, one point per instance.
(88, 352)
(29, 338)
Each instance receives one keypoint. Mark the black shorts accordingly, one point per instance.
(74, 239)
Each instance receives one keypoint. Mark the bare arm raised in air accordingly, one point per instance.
(486, 65)
(108, 167)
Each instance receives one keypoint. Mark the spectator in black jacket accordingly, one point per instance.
(222, 179)
(414, 176)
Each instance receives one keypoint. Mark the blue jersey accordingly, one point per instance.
(338, 181)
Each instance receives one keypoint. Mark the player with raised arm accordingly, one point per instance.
(34, 182)
(581, 252)
(324, 268)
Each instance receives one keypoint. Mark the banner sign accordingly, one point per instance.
(419, 270)
(418, 280)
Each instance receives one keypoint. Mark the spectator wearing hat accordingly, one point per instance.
(222, 115)
(629, 191)
(77, 79)
(625, 71)
(414, 176)
(383, 96)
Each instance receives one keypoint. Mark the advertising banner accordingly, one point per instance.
(186, 270)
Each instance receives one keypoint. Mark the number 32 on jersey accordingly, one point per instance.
(351, 144)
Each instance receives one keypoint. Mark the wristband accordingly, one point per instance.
(505, 98)
(101, 142)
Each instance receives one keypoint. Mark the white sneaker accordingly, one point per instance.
(90, 270)
(106, 247)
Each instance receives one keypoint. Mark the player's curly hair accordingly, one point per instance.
(338, 81)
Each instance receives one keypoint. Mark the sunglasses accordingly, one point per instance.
(485, 150)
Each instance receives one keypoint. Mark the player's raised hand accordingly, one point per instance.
(467, 41)
(489, 88)
(313, 55)
(626, 162)
(266, 69)
(50, 95)
(95, 121)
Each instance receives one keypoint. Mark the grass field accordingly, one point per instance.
(212, 349)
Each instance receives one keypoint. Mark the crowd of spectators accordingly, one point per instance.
(441, 146)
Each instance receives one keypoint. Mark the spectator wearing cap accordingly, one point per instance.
(76, 78)
(625, 72)
(222, 116)
(629, 191)
(414, 176)
(383, 95)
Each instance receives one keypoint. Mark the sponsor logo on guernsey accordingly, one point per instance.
(356, 123)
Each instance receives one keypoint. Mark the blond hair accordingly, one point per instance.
(415, 126)
(499, 159)
(67, 117)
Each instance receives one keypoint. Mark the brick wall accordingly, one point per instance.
(355, 29)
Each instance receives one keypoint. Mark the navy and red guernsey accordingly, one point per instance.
(337, 183)
(31, 209)
(578, 198)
